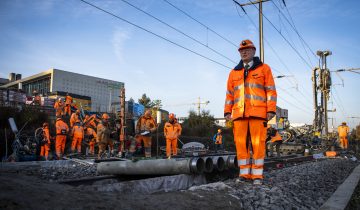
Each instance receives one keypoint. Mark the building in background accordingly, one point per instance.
(54, 82)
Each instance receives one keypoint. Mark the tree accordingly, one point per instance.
(145, 101)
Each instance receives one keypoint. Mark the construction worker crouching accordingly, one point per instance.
(250, 103)
(77, 134)
(343, 131)
(45, 143)
(273, 140)
(62, 129)
(218, 141)
(144, 127)
(172, 130)
(103, 135)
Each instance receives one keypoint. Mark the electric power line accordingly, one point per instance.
(295, 106)
(157, 35)
(207, 27)
(190, 37)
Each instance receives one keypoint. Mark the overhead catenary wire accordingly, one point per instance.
(155, 34)
(172, 27)
(307, 112)
(207, 27)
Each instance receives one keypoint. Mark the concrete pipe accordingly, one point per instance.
(218, 162)
(152, 167)
(209, 165)
(231, 161)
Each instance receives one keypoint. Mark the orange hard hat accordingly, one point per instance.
(45, 124)
(219, 130)
(246, 44)
(171, 116)
(105, 116)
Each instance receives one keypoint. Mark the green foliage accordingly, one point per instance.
(147, 103)
(202, 125)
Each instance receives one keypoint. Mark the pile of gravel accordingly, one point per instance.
(305, 186)
(73, 171)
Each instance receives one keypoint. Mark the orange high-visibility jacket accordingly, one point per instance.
(146, 124)
(46, 134)
(343, 130)
(78, 131)
(172, 131)
(61, 126)
(277, 137)
(73, 119)
(254, 96)
(103, 133)
(90, 131)
(58, 105)
(68, 100)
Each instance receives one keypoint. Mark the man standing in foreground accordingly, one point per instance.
(250, 103)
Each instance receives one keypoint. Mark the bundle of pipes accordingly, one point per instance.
(196, 165)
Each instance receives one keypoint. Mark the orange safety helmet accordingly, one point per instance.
(105, 116)
(45, 124)
(171, 116)
(246, 44)
(219, 130)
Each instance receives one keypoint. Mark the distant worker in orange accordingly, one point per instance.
(68, 103)
(144, 127)
(250, 103)
(91, 136)
(75, 117)
(90, 121)
(62, 129)
(343, 131)
(172, 131)
(218, 140)
(45, 143)
(59, 107)
(103, 135)
(77, 134)
(273, 140)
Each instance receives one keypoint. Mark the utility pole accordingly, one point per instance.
(199, 103)
(122, 120)
(321, 83)
(261, 34)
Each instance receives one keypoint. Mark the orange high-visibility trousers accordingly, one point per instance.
(44, 151)
(343, 142)
(60, 145)
(92, 147)
(76, 143)
(147, 144)
(171, 147)
(257, 130)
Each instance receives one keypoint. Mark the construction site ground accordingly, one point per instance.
(302, 186)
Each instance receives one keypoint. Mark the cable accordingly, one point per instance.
(190, 37)
(153, 33)
(295, 106)
(207, 27)
(306, 106)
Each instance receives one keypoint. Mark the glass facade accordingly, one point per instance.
(41, 85)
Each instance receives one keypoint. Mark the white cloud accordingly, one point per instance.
(119, 38)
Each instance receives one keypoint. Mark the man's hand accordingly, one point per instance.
(228, 117)
(269, 116)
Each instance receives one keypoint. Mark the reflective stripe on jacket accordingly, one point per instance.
(251, 97)
(172, 131)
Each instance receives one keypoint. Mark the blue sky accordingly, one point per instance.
(71, 35)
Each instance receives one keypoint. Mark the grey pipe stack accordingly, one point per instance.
(218, 162)
(152, 167)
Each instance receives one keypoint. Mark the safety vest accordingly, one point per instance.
(253, 96)
(61, 127)
(218, 139)
(343, 130)
(172, 131)
(146, 124)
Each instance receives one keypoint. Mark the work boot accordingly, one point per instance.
(240, 180)
(257, 182)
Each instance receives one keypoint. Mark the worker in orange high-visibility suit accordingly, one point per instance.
(250, 103)
(45, 143)
(273, 140)
(91, 135)
(218, 140)
(90, 121)
(75, 117)
(59, 107)
(144, 127)
(343, 131)
(62, 129)
(77, 134)
(172, 131)
(103, 135)
(68, 103)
